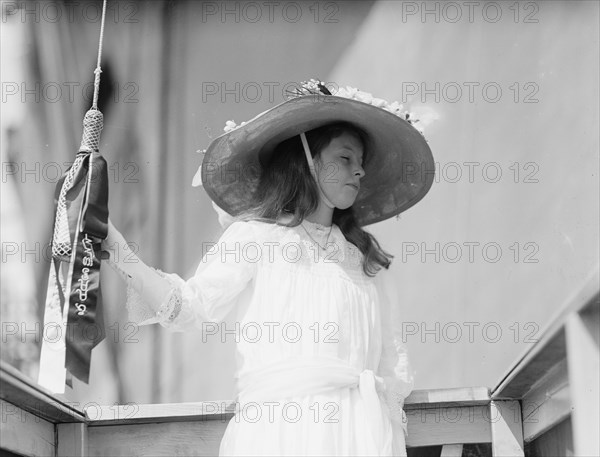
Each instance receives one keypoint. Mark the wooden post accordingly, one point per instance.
(72, 440)
(452, 450)
(583, 362)
(507, 428)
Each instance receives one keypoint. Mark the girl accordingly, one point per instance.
(326, 373)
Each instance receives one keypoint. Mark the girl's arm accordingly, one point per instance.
(178, 304)
(152, 287)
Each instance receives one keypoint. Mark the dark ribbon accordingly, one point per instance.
(87, 213)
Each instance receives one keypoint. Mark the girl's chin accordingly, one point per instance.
(344, 205)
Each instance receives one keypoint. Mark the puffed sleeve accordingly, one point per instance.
(224, 271)
(394, 364)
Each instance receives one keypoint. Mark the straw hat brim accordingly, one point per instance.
(399, 170)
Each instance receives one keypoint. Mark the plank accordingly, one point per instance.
(431, 426)
(24, 433)
(18, 389)
(194, 438)
(472, 395)
(536, 365)
(452, 450)
(165, 412)
(551, 345)
(448, 425)
(218, 409)
(584, 366)
(71, 440)
(507, 429)
(542, 417)
(547, 403)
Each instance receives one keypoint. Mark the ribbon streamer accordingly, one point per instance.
(73, 302)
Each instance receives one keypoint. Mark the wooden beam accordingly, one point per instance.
(541, 417)
(18, 389)
(448, 425)
(218, 410)
(507, 429)
(435, 397)
(536, 360)
(72, 440)
(224, 409)
(533, 368)
(24, 433)
(583, 360)
(547, 403)
(427, 427)
(452, 450)
(194, 438)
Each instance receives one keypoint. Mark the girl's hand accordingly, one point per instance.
(114, 241)
(122, 258)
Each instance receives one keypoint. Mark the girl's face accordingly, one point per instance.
(339, 168)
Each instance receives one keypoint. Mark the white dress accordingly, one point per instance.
(321, 367)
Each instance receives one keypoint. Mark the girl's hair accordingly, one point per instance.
(286, 187)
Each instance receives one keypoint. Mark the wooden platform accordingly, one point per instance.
(546, 404)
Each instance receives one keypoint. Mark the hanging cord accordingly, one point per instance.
(98, 70)
(313, 171)
(93, 120)
(90, 142)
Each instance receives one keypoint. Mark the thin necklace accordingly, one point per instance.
(326, 241)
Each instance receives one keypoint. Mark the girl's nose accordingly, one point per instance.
(360, 172)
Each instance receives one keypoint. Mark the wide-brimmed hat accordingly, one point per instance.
(399, 169)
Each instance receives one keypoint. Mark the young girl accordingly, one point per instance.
(324, 371)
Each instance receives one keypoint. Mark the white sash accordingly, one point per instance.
(311, 375)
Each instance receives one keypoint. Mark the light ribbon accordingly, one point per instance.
(311, 375)
(73, 300)
(313, 171)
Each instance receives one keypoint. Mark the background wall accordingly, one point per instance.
(517, 172)
(507, 233)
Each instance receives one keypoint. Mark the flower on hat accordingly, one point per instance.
(395, 107)
(317, 87)
(231, 125)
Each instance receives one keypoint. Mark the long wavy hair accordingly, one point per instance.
(286, 187)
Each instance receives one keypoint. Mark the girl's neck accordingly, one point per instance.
(323, 215)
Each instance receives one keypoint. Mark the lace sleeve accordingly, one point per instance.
(138, 310)
(394, 364)
(209, 295)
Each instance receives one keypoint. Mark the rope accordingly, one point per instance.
(90, 142)
(313, 171)
(98, 70)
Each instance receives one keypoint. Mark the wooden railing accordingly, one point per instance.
(557, 381)
(546, 404)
